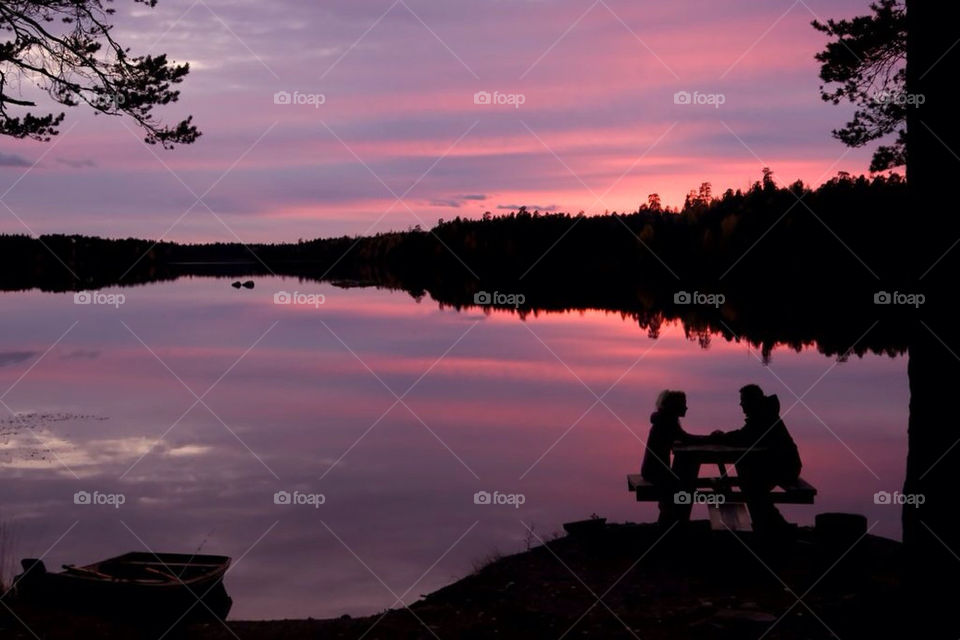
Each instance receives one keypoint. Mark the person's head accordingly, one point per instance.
(751, 399)
(672, 402)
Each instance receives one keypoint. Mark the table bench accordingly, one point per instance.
(692, 457)
(799, 492)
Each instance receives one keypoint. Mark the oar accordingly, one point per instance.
(202, 542)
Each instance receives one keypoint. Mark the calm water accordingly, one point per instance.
(301, 398)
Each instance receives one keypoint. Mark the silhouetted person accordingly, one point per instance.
(665, 431)
(773, 458)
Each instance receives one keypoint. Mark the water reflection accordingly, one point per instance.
(217, 398)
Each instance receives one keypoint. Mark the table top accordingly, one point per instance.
(714, 452)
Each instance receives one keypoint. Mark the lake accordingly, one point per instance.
(333, 445)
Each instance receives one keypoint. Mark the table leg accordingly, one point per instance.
(687, 471)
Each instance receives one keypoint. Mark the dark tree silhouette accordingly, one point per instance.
(65, 47)
(932, 143)
(866, 64)
(908, 48)
(653, 202)
(653, 249)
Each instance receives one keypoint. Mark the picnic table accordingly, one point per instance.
(687, 462)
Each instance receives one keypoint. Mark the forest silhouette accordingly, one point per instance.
(790, 237)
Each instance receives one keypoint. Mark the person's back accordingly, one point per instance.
(664, 431)
(783, 455)
(764, 432)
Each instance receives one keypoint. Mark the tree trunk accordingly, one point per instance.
(931, 532)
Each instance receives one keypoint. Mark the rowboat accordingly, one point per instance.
(167, 587)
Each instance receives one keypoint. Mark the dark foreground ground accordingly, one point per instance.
(628, 581)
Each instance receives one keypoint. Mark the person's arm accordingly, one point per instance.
(685, 438)
(729, 438)
(715, 436)
(692, 438)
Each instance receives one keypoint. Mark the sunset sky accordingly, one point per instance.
(399, 140)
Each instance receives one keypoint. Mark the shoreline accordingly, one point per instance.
(627, 580)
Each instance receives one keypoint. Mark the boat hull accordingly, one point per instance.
(159, 588)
